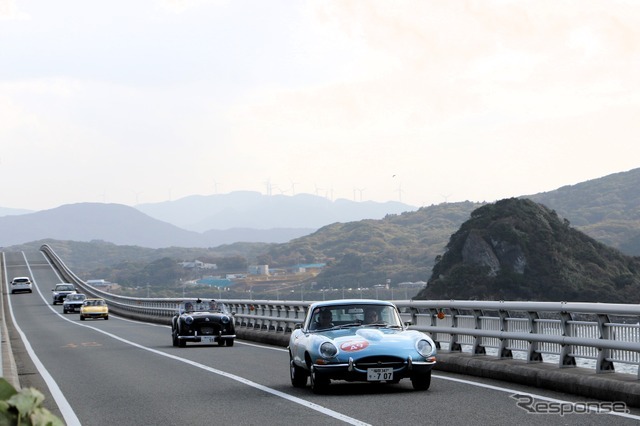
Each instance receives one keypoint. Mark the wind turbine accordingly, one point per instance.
(293, 187)
(268, 185)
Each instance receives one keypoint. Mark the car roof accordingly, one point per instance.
(341, 302)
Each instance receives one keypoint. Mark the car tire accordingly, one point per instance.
(229, 342)
(319, 382)
(174, 338)
(298, 375)
(422, 381)
(81, 318)
(221, 342)
(106, 318)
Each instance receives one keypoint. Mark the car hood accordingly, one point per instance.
(72, 302)
(94, 309)
(371, 341)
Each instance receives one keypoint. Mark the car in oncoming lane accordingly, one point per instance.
(94, 308)
(203, 321)
(73, 302)
(61, 291)
(21, 284)
(358, 340)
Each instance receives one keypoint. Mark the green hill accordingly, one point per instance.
(516, 249)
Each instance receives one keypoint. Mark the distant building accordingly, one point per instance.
(98, 283)
(214, 282)
(196, 264)
(258, 269)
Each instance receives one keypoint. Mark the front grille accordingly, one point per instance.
(379, 361)
(206, 331)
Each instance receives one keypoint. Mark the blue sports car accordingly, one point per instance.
(358, 340)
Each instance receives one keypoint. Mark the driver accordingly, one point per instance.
(325, 319)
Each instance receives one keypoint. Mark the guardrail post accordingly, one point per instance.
(478, 348)
(503, 351)
(603, 364)
(532, 348)
(566, 357)
(454, 346)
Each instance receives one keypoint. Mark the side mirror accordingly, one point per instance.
(298, 326)
(407, 323)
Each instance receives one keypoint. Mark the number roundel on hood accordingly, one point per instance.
(354, 345)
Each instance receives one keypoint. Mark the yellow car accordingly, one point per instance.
(94, 308)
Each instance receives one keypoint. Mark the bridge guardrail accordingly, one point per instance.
(594, 335)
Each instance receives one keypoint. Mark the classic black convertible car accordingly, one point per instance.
(203, 322)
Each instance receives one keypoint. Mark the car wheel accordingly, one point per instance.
(298, 375)
(174, 338)
(106, 318)
(422, 381)
(220, 342)
(81, 318)
(319, 382)
(230, 342)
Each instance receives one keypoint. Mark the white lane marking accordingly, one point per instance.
(73, 420)
(544, 398)
(67, 412)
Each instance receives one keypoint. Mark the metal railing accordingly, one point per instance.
(594, 335)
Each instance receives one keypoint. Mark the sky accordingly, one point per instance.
(423, 102)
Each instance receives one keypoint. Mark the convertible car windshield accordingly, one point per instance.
(353, 315)
(203, 306)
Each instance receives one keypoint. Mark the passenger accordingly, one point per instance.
(371, 316)
(213, 305)
(188, 307)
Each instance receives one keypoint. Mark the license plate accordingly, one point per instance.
(207, 339)
(379, 374)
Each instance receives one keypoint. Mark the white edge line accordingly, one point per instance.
(70, 416)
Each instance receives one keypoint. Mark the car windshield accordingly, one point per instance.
(203, 306)
(94, 302)
(353, 315)
(64, 288)
(75, 297)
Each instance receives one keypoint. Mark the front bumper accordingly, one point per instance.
(71, 308)
(357, 371)
(94, 314)
(207, 338)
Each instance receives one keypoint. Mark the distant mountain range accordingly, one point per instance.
(253, 210)
(607, 209)
(196, 221)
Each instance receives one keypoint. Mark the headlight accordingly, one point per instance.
(225, 320)
(424, 348)
(188, 320)
(328, 350)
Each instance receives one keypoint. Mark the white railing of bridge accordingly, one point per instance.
(601, 333)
